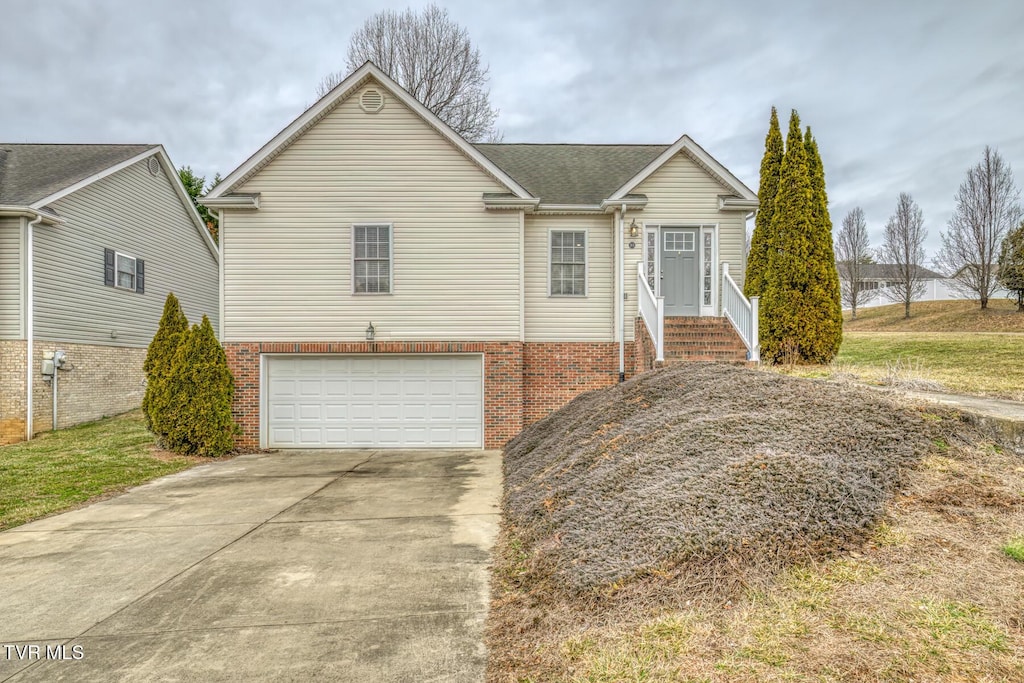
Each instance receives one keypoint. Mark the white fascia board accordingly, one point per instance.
(328, 101)
(737, 204)
(511, 204)
(635, 203)
(686, 143)
(30, 213)
(569, 208)
(232, 201)
(186, 201)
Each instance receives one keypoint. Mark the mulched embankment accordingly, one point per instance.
(692, 463)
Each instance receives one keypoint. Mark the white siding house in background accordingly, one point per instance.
(427, 291)
(877, 281)
(92, 238)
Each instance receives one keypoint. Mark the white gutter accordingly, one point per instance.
(29, 323)
(620, 325)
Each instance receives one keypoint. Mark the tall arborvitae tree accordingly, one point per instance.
(821, 303)
(771, 166)
(200, 421)
(159, 361)
(785, 275)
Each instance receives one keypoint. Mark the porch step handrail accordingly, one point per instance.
(742, 313)
(652, 310)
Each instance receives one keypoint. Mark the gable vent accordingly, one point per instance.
(153, 165)
(371, 100)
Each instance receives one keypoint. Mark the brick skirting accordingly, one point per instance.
(522, 382)
(554, 373)
(98, 381)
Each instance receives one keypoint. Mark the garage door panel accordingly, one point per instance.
(310, 411)
(415, 412)
(362, 388)
(374, 401)
(335, 387)
(336, 412)
(388, 388)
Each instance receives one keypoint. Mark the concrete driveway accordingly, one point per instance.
(314, 565)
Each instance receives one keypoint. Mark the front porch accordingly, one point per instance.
(731, 336)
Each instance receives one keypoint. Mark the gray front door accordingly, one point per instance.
(680, 271)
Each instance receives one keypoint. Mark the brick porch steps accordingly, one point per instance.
(702, 339)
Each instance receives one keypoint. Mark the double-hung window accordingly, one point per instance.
(568, 258)
(371, 259)
(124, 272)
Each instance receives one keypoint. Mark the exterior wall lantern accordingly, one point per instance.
(634, 229)
(370, 332)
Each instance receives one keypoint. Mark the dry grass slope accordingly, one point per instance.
(939, 316)
(689, 462)
(708, 523)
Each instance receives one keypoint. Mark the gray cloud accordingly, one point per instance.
(902, 96)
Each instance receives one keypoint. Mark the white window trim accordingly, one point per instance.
(716, 269)
(586, 263)
(391, 256)
(135, 272)
(656, 231)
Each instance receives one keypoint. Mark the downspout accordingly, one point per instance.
(29, 322)
(620, 292)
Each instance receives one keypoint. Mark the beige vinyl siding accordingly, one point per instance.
(140, 215)
(11, 278)
(562, 318)
(682, 193)
(287, 266)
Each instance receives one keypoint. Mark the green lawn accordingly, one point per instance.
(60, 470)
(963, 362)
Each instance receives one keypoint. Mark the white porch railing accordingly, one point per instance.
(652, 310)
(741, 313)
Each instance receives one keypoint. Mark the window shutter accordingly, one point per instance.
(140, 276)
(108, 267)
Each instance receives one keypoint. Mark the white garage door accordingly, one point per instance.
(374, 401)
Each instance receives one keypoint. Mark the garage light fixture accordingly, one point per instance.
(370, 331)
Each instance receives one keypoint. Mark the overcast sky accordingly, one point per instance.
(902, 95)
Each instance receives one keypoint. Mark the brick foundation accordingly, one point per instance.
(99, 381)
(12, 391)
(554, 373)
(522, 382)
(643, 348)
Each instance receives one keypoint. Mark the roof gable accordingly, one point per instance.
(686, 145)
(35, 175)
(328, 102)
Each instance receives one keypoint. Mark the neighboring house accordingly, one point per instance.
(877, 280)
(386, 283)
(883, 275)
(92, 238)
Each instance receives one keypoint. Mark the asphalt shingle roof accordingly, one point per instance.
(889, 271)
(30, 172)
(571, 174)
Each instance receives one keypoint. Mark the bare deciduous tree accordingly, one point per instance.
(431, 57)
(903, 247)
(987, 209)
(852, 252)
